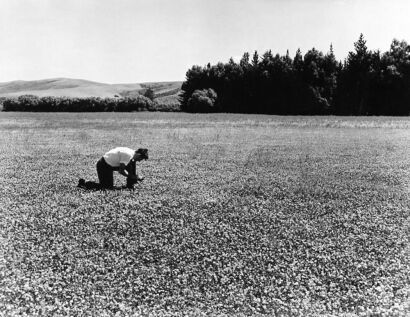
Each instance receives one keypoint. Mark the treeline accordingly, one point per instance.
(366, 83)
(90, 104)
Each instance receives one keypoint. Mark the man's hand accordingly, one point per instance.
(123, 171)
(136, 178)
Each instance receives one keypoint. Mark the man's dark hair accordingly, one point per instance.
(144, 153)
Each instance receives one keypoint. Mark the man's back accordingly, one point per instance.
(119, 155)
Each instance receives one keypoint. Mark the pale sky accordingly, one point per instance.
(132, 41)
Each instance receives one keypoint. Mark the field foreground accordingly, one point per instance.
(238, 215)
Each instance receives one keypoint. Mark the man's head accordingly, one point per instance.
(141, 154)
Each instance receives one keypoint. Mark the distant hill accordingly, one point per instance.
(84, 88)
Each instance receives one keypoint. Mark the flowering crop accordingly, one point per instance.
(237, 215)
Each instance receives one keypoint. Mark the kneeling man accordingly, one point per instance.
(122, 160)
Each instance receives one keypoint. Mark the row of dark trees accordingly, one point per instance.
(89, 104)
(367, 83)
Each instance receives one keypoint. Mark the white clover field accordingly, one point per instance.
(238, 215)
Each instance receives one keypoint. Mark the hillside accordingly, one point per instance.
(83, 88)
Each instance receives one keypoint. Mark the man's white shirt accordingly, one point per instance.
(119, 155)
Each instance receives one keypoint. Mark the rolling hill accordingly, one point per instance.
(84, 88)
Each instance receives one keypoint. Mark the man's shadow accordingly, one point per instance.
(89, 185)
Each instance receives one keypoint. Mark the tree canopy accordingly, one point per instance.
(366, 83)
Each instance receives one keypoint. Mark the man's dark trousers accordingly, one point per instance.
(105, 174)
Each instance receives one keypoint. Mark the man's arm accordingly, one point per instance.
(131, 168)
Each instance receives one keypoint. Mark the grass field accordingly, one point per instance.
(238, 215)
